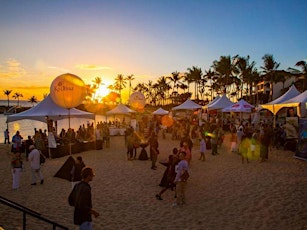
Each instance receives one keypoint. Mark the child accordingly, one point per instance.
(202, 148)
(16, 169)
(233, 140)
(254, 142)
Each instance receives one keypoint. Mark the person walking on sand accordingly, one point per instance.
(76, 171)
(16, 169)
(6, 136)
(180, 183)
(34, 158)
(81, 199)
(17, 142)
(202, 149)
(169, 175)
(154, 150)
(243, 150)
(185, 148)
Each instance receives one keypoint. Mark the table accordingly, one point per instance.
(117, 131)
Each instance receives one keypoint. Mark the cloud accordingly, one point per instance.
(59, 68)
(12, 69)
(91, 67)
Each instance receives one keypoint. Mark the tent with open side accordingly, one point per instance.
(120, 110)
(300, 101)
(213, 101)
(221, 103)
(47, 108)
(188, 105)
(271, 106)
(160, 111)
(241, 106)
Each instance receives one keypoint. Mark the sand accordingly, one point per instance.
(222, 193)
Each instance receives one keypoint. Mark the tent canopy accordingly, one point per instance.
(241, 106)
(221, 103)
(187, 105)
(120, 110)
(160, 111)
(300, 101)
(292, 92)
(211, 102)
(47, 108)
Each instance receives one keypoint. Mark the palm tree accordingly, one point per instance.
(246, 73)
(210, 77)
(269, 68)
(7, 93)
(97, 81)
(17, 96)
(300, 74)
(120, 83)
(224, 69)
(195, 74)
(32, 100)
(129, 78)
(175, 78)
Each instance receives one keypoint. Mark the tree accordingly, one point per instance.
(300, 74)
(97, 82)
(269, 68)
(7, 93)
(246, 73)
(120, 83)
(129, 78)
(195, 75)
(175, 78)
(17, 96)
(32, 100)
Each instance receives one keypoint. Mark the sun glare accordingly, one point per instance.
(101, 92)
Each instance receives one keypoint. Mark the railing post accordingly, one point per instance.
(24, 221)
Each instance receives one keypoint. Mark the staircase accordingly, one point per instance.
(28, 212)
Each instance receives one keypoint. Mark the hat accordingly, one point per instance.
(31, 147)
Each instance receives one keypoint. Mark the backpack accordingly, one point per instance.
(185, 176)
(72, 198)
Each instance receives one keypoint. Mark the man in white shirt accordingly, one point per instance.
(34, 158)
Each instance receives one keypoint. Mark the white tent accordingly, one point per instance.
(47, 108)
(241, 106)
(300, 101)
(221, 103)
(292, 92)
(160, 111)
(120, 110)
(187, 105)
(211, 102)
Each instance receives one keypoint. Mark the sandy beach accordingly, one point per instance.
(222, 193)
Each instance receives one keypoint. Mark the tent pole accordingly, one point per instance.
(69, 143)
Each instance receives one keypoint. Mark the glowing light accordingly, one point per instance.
(101, 92)
(167, 121)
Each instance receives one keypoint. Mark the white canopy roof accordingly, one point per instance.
(187, 105)
(120, 110)
(221, 103)
(48, 108)
(160, 111)
(300, 101)
(292, 92)
(211, 102)
(241, 106)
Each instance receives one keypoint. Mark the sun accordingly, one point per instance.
(101, 92)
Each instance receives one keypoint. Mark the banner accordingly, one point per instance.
(301, 150)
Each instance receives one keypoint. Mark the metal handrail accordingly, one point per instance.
(27, 211)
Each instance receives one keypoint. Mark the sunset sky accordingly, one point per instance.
(42, 39)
